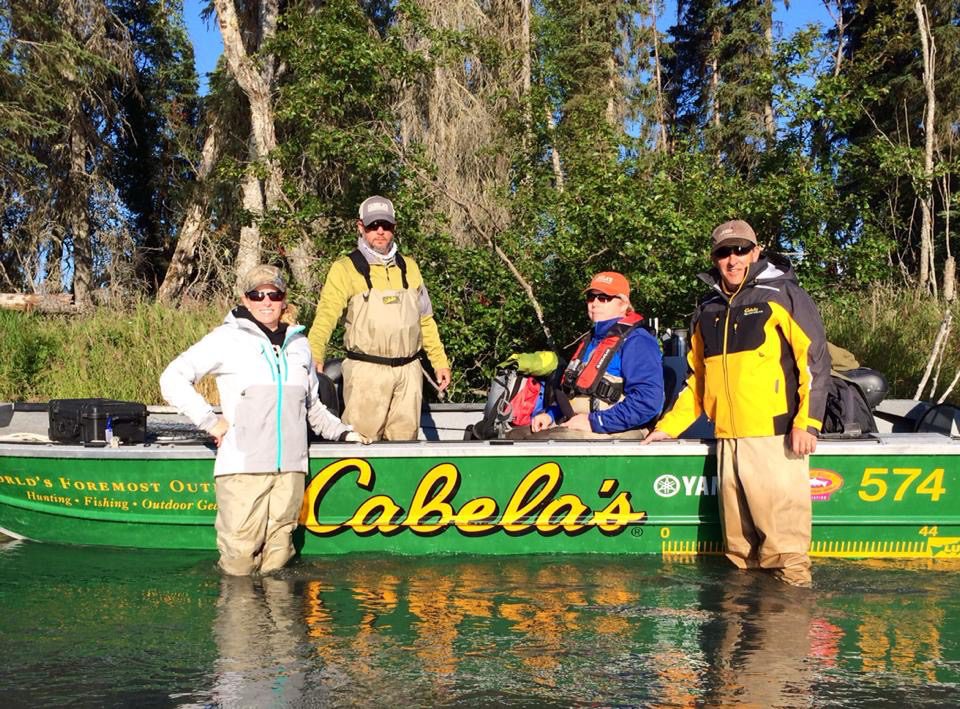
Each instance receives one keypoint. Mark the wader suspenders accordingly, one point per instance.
(363, 268)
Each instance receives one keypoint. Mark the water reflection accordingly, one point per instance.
(134, 628)
(259, 637)
(758, 643)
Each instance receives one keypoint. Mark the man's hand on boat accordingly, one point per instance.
(655, 436)
(802, 442)
(355, 437)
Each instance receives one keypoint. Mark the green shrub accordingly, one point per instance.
(108, 353)
(893, 330)
(27, 350)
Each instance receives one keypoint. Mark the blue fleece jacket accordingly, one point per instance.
(639, 363)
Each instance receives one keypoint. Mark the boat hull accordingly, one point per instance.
(894, 496)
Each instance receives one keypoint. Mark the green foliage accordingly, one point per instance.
(27, 353)
(893, 330)
(106, 353)
(155, 140)
(832, 183)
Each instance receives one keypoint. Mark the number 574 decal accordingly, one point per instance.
(877, 482)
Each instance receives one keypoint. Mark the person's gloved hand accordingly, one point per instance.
(356, 437)
(537, 364)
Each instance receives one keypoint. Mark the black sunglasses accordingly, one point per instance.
(387, 226)
(725, 251)
(275, 296)
(602, 297)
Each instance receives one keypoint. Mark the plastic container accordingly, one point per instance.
(86, 421)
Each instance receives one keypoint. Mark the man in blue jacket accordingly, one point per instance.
(614, 382)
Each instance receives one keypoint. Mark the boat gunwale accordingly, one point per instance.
(884, 444)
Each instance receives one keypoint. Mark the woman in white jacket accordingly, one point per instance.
(268, 391)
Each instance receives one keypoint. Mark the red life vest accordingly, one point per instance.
(587, 378)
(525, 401)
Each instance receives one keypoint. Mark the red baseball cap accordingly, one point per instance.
(611, 283)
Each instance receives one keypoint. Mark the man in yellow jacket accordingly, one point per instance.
(760, 371)
(389, 320)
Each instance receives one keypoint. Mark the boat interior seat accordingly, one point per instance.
(940, 418)
(331, 385)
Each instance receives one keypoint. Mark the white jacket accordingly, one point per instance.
(266, 395)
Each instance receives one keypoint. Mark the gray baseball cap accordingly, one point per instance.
(733, 233)
(375, 209)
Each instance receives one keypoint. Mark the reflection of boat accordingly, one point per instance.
(894, 494)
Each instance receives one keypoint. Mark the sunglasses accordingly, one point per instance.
(602, 297)
(725, 251)
(386, 226)
(256, 296)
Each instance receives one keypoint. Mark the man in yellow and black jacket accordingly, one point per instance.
(760, 371)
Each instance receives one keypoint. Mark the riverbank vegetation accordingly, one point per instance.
(526, 145)
(119, 354)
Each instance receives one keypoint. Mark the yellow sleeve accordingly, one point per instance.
(431, 343)
(689, 404)
(428, 325)
(334, 297)
(803, 330)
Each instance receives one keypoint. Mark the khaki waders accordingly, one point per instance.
(383, 401)
(256, 516)
(765, 506)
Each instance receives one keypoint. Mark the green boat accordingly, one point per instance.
(893, 495)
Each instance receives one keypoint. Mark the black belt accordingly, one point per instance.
(388, 361)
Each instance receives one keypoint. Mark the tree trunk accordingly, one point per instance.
(929, 52)
(257, 83)
(841, 27)
(613, 90)
(769, 121)
(554, 151)
(526, 73)
(191, 229)
(715, 79)
(950, 265)
(78, 221)
(661, 103)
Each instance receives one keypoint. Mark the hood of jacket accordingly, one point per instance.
(768, 269)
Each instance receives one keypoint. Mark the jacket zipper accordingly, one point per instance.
(273, 362)
(279, 355)
(726, 370)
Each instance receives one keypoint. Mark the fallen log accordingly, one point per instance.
(45, 303)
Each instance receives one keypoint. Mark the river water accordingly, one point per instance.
(93, 627)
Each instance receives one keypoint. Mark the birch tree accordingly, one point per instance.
(255, 72)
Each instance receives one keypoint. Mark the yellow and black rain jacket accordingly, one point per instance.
(758, 358)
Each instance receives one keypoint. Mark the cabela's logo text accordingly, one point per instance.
(535, 505)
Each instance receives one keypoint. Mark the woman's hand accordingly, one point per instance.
(219, 430)
(579, 422)
(541, 422)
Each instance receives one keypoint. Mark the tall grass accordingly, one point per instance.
(893, 331)
(120, 354)
(107, 353)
